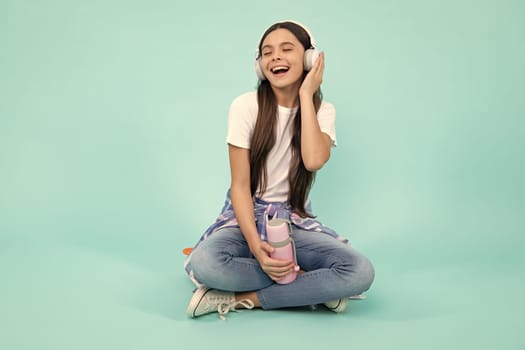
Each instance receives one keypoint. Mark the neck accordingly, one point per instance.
(287, 96)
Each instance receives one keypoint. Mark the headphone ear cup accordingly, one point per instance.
(310, 56)
(258, 69)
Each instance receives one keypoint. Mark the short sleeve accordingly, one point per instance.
(241, 120)
(326, 119)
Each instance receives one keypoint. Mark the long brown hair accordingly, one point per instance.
(299, 178)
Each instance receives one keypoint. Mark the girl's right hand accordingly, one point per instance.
(275, 269)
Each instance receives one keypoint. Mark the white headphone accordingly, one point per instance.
(310, 55)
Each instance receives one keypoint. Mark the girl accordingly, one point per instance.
(278, 137)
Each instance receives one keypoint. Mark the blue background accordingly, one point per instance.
(113, 159)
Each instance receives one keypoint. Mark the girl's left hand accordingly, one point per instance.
(314, 78)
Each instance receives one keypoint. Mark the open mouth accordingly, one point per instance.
(279, 70)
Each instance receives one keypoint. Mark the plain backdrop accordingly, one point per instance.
(113, 159)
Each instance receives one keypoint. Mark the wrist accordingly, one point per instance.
(254, 243)
(305, 99)
(305, 94)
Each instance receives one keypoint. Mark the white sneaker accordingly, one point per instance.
(206, 300)
(338, 305)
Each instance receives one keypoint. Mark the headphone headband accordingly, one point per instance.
(312, 40)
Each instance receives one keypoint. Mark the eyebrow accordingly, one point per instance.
(281, 44)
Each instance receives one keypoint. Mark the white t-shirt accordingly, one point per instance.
(241, 123)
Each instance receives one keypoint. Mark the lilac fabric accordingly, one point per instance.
(263, 211)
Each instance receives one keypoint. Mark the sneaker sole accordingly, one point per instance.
(196, 300)
(340, 307)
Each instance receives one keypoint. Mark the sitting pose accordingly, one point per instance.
(278, 137)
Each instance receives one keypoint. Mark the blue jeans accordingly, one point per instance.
(333, 269)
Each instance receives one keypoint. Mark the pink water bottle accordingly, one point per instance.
(279, 237)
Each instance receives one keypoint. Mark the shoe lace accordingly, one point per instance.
(224, 308)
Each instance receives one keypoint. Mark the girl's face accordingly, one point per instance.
(282, 58)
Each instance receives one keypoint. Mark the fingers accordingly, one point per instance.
(319, 66)
(274, 268)
(277, 265)
(277, 269)
(267, 247)
(314, 78)
(278, 275)
(320, 61)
